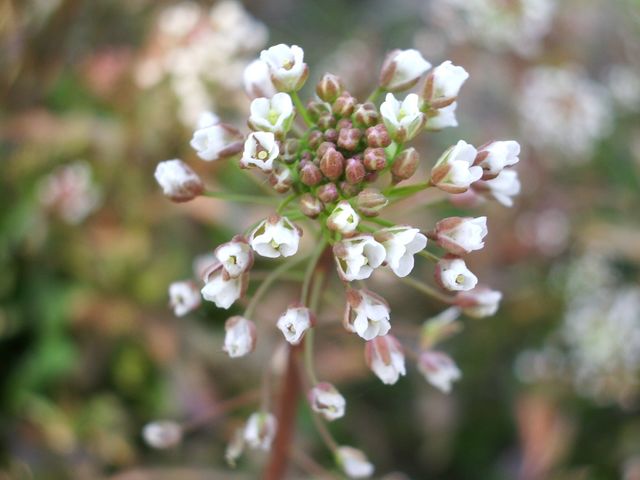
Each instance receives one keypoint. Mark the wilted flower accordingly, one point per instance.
(274, 237)
(354, 462)
(366, 313)
(495, 156)
(184, 297)
(439, 369)
(385, 358)
(286, 66)
(162, 434)
(343, 219)
(443, 84)
(401, 244)
(260, 430)
(403, 120)
(402, 69)
(460, 235)
(327, 401)
(294, 323)
(358, 256)
(257, 80)
(454, 171)
(260, 149)
(221, 289)
(479, 302)
(273, 115)
(178, 181)
(216, 141)
(240, 336)
(452, 273)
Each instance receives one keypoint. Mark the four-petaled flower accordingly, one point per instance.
(235, 256)
(443, 84)
(452, 274)
(403, 120)
(260, 150)
(273, 114)
(439, 369)
(358, 256)
(343, 219)
(384, 356)
(220, 288)
(325, 399)
(460, 235)
(286, 66)
(495, 156)
(366, 314)
(479, 302)
(275, 237)
(184, 297)
(401, 243)
(240, 336)
(454, 172)
(294, 323)
(402, 69)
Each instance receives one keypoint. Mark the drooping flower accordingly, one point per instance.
(216, 141)
(479, 302)
(401, 243)
(454, 172)
(358, 256)
(257, 80)
(240, 336)
(354, 462)
(260, 150)
(327, 401)
(461, 235)
(286, 66)
(162, 434)
(343, 219)
(402, 120)
(294, 323)
(384, 356)
(235, 256)
(402, 69)
(452, 274)
(273, 115)
(221, 289)
(260, 430)
(503, 187)
(439, 369)
(366, 314)
(184, 297)
(495, 156)
(443, 84)
(275, 237)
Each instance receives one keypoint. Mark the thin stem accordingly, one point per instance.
(313, 468)
(306, 284)
(406, 190)
(301, 109)
(375, 94)
(308, 343)
(285, 202)
(220, 409)
(237, 197)
(431, 256)
(380, 221)
(324, 432)
(426, 289)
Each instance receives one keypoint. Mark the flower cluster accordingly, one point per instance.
(338, 161)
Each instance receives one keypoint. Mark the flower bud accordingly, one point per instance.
(315, 139)
(366, 115)
(384, 356)
(294, 323)
(348, 138)
(479, 302)
(323, 147)
(343, 219)
(331, 135)
(332, 164)
(348, 190)
(240, 336)
(178, 181)
(274, 237)
(366, 314)
(370, 201)
(452, 274)
(184, 297)
(378, 137)
(375, 159)
(354, 171)
(402, 69)
(280, 179)
(310, 175)
(344, 105)
(344, 123)
(318, 109)
(353, 462)
(443, 84)
(327, 401)
(328, 193)
(461, 235)
(310, 205)
(162, 434)
(329, 87)
(371, 177)
(454, 172)
(326, 122)
(289, 153)
(405, 165)
(286, 67)
(235, 256)
(260, 430)
(439, 369)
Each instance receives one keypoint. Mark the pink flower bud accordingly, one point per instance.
(349, 138)
(327, 122)
(405, 165)
(178, 181)
(374, 159)
(377, 136)
(344, 105)
(328, 193)
(384, 356)
(315, 139)
(310, 175)
(366, 115)
(310, 205)
(332, 164)
(240, 336)
(370, 201)
(331, 134)
(329, 87)
(327, 401)
(323, 147)
(354, 171)
(349, 190)
(289, 153)
(438, 369)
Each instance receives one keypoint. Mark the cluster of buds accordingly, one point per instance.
(338, 162)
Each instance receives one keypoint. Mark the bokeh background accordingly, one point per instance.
(95, 93)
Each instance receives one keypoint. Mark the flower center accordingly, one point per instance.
(460, 279)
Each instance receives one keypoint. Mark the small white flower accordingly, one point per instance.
(216, 141)
(274, 237)
(357, 257)
(257, 80)
(401, 243)
(503, 187)
(260, 430)
(206, 119)
(220, 289)
(294, 323)
(403, 120)
(354, 462)
(273, 115)
(343, 219)
(444, 117)
(460, 235)
(184, 297)
(235, 256)
(439, 369)
(240, 336)
(495, 156)
(286, 66)
(178, 181)
(452, 273)
(327, 401)
(454, 171)
(385, 358)
(235, 447)
(162, 434)
(479, 302)
(367, 314)
(260, 149)
(402, 69)
(444, 83)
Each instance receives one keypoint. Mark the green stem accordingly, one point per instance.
(426, 289)
(301, 109)
(311, 268)
(375, 94)
(286, 202)
(429, 255)
(308, 341)
(406, 190)
(380, 221)
(237, 197)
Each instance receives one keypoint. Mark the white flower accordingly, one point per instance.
(439, 369)
(327, 401)
(286, 66)
(294, 323)
(367, 314)
(357, 257)
(444, 83)
(257, 80)
(184, 297)
(260, 149)
(354, 462)
(235, 448)
(385, 358)
(454, 171)
(503, 187)
(401, 243)
(479, 302)
(219, 288)
(260, 430)
(403, 120)
(402, 69)
(162, 434)
(452, 273)
(206, 119)
(178, 181)
(274, 237)
(343, 219)
(444, 117)
(460, 235)
(495, 156)
(235, 256)
(273, 115)
(216, 141)
(240, 336)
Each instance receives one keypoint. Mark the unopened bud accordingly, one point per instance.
(348, 138)
(324, 146)
(370, 201)
(375, 159)
(378, 137)
(310, 175)
(371, 177)
(326, 121)
(310, 205)
(354, 171)
(178, 181)
(289, 151)
(329, 87)
(366, 115)
(331, 135)
(405, 165)
(332, 164)
(344, 105)
(315, 139)
(344, 123)
(349, 190)
(318, 109)
(327, 193)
